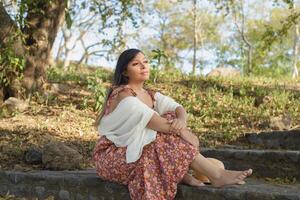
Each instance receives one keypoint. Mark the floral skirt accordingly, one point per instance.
(155, 176)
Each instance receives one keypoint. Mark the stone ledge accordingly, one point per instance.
(265, 163)
(276, 139)
(81, 185)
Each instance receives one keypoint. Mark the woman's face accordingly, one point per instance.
(138, 68)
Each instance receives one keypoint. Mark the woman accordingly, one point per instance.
(145, 143)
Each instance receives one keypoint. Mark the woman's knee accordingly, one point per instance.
(217, 162)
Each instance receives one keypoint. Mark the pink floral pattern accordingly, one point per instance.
(155, 176)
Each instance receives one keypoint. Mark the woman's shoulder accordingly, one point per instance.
(156, 93)
(122, 91)
(118, 93)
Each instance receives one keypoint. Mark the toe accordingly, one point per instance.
(247, 172)
(243, 175)
(250, 172)
(241, 182)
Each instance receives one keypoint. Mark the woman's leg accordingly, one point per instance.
(218, 176)
(201, 177)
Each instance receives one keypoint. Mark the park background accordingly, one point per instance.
(233, 65)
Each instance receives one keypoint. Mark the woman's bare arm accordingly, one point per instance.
(158, 123)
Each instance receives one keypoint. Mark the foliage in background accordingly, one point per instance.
(11, 65)
(96, 86)
(155, 62)
(219, 110)
(94, 80)
(271, 37)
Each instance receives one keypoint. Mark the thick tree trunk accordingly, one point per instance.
(43, 21)
(7, 28)
(40, 35)
(9, 39)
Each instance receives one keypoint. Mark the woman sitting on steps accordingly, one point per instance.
(145, 143)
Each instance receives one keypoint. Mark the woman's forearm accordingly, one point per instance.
(159, 123)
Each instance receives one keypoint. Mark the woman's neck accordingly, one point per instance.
(138, 87)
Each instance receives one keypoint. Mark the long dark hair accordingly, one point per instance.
(119, 78)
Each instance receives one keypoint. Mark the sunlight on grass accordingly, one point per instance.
(219, 110)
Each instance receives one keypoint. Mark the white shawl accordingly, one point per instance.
(126, 124)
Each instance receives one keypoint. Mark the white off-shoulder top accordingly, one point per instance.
(126, 125)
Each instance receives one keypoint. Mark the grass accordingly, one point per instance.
(219, 110)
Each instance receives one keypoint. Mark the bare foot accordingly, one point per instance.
(228, 177)
(190, 180)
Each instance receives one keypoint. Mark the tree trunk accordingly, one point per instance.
(43, 20)
(8, 30)
(241, 30)
(40, 35)
(295, 48)
(164, 45)
(60, 50)
(249, 59)
(195, 37)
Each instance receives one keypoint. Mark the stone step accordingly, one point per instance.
(77, 185)
(275, 139)
(265, 163)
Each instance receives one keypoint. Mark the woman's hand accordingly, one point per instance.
(177, 126)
